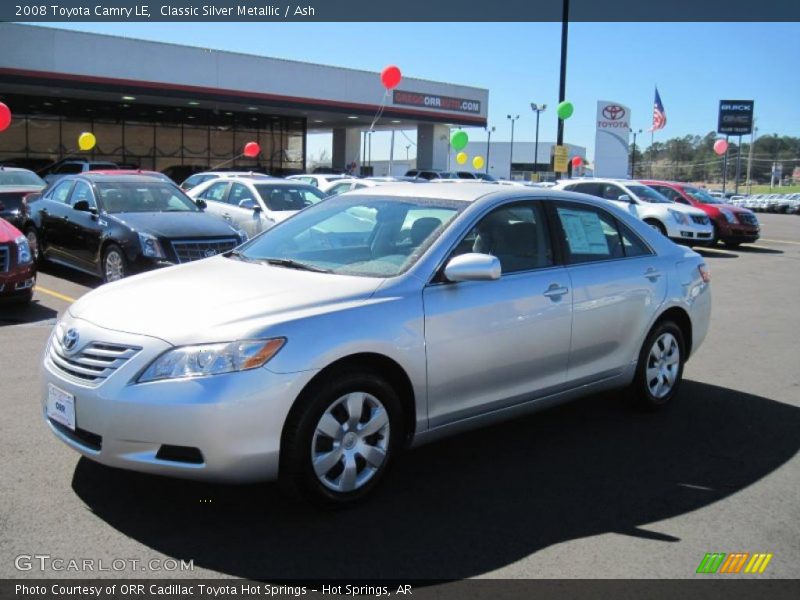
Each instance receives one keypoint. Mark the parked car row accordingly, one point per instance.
(772, 203)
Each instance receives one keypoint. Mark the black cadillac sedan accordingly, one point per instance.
(115, 225)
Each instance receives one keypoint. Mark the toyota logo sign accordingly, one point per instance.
(70, 339)
(612, 112)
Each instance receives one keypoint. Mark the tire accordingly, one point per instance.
(343, 475)
(658, 365)
(729, 244)
(714, 235)
(657, 225)
(36, 247)
(114, 266)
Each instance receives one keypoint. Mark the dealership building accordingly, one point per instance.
(158, 105)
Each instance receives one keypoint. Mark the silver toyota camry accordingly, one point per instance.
(370, 322)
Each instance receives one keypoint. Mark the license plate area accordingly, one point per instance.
(61, 406)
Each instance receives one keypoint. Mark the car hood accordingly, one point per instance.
(175, 224)
(682, 208)
(8, 233)
(217, 299)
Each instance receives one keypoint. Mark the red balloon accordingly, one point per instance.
(252, 149)
(5, 116)
(577, 161)
(720, 147)
(390, 77)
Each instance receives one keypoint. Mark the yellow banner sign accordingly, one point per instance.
(560, 159)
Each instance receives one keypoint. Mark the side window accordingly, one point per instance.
(309, 180)
(671, 194)
(216, 192)
(60, 193)
(593, 189)
(240, 194)
(632, 244)
(339, 188)
(610, 191)
(590, 234)
(516, 234)
(82, 191)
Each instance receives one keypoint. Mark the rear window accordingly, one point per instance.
(69, 169)
(11, 200)
(9, 178)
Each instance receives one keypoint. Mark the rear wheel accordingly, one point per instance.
(660, 368)
(115, 267)
(340, 438)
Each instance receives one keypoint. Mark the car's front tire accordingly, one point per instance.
(657, 225)
(33, 241)
(115, 267)
(340, 438)
(660, 368)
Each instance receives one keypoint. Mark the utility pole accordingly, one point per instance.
(488, 146)
(750, 157)
(738, 165)
(562, 84)
(511, 158)
(633, 156)
(538, 109)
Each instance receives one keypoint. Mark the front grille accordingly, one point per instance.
(94, 363)
(747, 218)
(4, 258)
(189, 250)
(702, 219)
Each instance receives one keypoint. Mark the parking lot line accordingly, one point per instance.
(778, 242)
(54, 294)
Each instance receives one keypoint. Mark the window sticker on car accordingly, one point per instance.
(584, 231)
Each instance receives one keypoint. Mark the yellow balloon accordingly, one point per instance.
(461, 158)
(86, 141)
(478, 162)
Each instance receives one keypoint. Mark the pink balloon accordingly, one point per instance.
(5, 116)
(251, 149)
(720, 147)
(390, 77)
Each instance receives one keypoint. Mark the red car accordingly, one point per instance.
(732, 225)
(17, 271)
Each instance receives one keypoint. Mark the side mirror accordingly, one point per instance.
(201, 204)
(473, 267)
(257, 208)
(83, 206)
(625, 198)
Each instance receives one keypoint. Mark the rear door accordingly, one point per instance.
(53, 209)
(216, 197)
(618, 283)
(244, 210)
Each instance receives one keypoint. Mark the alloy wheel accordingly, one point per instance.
(33, 243)
(663, 364)
(351, 442)
(114, 266)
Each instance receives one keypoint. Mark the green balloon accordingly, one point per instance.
(564, 110)
(459, 140)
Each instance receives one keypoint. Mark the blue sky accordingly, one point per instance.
(694, 64)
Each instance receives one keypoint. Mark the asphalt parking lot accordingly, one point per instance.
(587, 490)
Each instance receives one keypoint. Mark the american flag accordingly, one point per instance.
(659, 116)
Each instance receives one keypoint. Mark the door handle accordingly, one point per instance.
(555, 291)
(226, 216)
(652, 274)
(66, 218)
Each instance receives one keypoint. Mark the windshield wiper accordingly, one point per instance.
(293, 264)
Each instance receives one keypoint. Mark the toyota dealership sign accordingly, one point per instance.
(611, 139)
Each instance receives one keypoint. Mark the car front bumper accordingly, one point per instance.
(692, 232)
(737, 232)
(222, 428)
(17, 282)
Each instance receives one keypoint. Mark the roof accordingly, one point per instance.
(113, 177)
(466, 192)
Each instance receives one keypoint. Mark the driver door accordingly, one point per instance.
(245, 211)
(494, 344)
(85, 231)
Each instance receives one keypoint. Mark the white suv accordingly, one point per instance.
(677, 221)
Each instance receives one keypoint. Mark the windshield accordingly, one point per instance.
(356, 235)
(118, 197)
(9, 178)
(282, 197)
(701, 196)
(646, 194)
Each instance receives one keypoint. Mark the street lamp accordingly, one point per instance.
(538, 109)
(489, 130)
(407, 147)
(635, 132)
(511, 158)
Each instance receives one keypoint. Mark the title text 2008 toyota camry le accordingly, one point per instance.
(369, 322)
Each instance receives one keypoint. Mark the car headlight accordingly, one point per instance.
(151, 246)
(731, 218)
(211, 359)
(24, 254)
(679, 217)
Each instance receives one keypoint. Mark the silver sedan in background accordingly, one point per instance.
(367, 323)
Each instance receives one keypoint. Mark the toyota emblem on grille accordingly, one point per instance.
(70, 339)
(613, 112)
(210, 252)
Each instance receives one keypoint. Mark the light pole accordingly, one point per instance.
(635, 132)
(538, 109)
(407, 147)
(750, 157)
(562, 81)
(489, 130)
(511, 158)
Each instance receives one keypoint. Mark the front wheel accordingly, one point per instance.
(33, 242)
(657, 225)
(340, 438)
(115, 267)
(660, 368)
